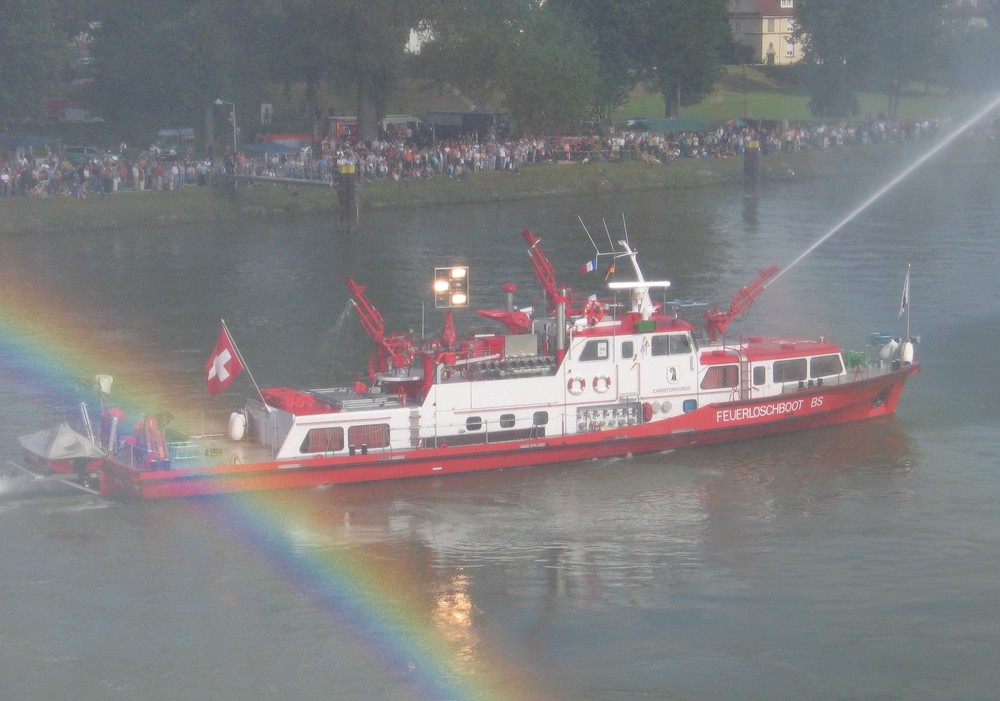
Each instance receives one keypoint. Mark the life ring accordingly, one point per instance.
(576, 385)
(602, 383)
(594, 311)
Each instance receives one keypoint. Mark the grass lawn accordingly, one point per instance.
(750, 91)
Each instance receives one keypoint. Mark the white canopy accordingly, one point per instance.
(60, 443)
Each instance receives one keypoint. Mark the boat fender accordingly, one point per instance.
(906, 352)
(594, 311)
(576, 385)
(647, 412)
(237, 425)
(602, 383)
(888, 350)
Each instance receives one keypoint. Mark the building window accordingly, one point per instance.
(721, 376)
(737, 27)
(770, 24)
(788, 3)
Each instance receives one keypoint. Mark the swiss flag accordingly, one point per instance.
(224, 364)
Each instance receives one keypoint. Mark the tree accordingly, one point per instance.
(679, 45)
(525, 55)
(467, 46)
(885, 45)
(169, 59)
(35, 57)
(969, 51)
(356, 45)
(550, 80)
(612, 27)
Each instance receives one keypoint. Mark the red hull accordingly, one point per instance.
(712, 424)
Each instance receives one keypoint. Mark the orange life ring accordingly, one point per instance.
(594, 311)
(602, 383)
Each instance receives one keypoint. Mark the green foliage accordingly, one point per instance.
(551, 76)
(164, 58)
(533, 55)
(968, 53)
(857, 43)
(611, 26)
(35, 56)
(679, 46)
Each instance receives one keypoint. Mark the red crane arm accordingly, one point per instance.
(371, 320)
(544, 272)
(745, 296)
(717, 320)
(396, 349)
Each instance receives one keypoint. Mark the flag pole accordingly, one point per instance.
(907, 293)
(244, 363)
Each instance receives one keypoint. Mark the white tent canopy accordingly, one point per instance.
(60, 443)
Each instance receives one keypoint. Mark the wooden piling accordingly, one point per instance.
(751, 168)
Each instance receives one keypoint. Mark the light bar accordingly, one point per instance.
(632, 284)
(451, 287)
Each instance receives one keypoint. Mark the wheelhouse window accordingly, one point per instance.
(323, 440)
(628, 349)
(674, 344)
(720, 376)
(759, 375)
(596, 349)
(372, 435)
(825, 365)
(789, 370)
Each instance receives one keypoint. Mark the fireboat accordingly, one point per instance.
(570, 378)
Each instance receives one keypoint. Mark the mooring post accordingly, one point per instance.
(751, 167)
(347, 194)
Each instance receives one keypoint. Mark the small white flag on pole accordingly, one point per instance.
(905, 301)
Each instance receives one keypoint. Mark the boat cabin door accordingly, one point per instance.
(668, 367)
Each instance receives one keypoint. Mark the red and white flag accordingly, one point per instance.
(224, 364)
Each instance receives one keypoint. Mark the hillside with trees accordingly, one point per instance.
(549, 64)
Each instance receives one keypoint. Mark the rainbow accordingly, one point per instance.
(48, 355)
(425, 640)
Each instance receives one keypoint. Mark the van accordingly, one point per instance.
(80, 154)
(405, 127)
(172, 142)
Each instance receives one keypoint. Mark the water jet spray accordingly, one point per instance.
(892, 183)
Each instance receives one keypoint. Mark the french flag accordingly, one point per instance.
(589, 267)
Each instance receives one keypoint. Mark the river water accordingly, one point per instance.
(860, 562)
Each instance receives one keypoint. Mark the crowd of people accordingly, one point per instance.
(395, 159)
(97, 176)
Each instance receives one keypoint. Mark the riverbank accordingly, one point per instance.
(156, 209)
